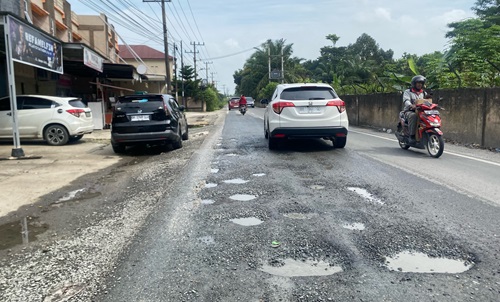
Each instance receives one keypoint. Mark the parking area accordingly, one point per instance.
(48, 168)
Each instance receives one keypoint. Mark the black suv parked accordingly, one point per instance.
(148, 119)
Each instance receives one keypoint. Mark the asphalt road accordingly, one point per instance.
(313, 223)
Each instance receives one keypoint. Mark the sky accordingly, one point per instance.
(230, 29)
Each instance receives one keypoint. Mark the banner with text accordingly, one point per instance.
(32, 47)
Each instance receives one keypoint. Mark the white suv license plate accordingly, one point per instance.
(138, 118)
(307, 110)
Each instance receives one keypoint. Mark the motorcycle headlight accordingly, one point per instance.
(434, 124)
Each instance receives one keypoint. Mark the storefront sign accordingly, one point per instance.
(32, 47)
(92, 60)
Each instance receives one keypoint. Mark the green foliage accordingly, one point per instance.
(211, 98)
(472, 60)
(267, 92)
(473, 56)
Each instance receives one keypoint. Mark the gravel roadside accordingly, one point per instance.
(81, 238)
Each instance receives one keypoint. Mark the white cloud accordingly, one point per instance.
(383, 13)
(232, 43)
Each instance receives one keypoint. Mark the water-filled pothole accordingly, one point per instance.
(247, 221)
(70, 195)
(20, 232)
(355, 226)
(317, 187)
(214, 170)
(364, 193)
(243, 197)
(416, 262)
(301, 216)
(231, 154)
(210, 185)
(293, 268)
(207, 240)
(259, 174)
(236, 181)
(207, 201)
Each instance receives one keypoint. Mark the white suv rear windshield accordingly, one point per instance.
(308, 93)
(77, 103)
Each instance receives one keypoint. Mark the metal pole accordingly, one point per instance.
(182, 79)
(269, 59)
(194, 52)
(17, 151)
(165, 41)
(175, 73)
(282, 68)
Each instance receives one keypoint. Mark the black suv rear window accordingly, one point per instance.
(140, 98)
(308, 93)
(146, 103)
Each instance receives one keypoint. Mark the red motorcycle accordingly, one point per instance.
(428, 133)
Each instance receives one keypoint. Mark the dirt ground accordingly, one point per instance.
(48, 168)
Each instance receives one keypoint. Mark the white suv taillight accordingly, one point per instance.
(278, 106)
(76, 112)
(337, 103)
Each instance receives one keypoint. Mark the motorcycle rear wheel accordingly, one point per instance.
(403, 145)
(435, 145)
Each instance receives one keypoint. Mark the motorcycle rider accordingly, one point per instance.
(243, 101)
(415, 92)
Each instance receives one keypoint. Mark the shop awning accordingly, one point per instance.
(74, 59)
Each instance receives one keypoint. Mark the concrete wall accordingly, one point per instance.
(470, 115)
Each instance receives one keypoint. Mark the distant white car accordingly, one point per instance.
(57, 120)
(305, 111)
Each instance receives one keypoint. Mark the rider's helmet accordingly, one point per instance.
(416, 79)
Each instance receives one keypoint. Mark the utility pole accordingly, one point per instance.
(282, 69)
(182, 78)
(206, 69)
(165, 42)
(195, 52)
(175, 73)
(212, 74)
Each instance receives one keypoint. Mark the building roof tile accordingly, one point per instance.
(143, 51)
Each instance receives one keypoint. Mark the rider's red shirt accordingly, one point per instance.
(243, 101)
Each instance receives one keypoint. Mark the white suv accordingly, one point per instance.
(57, 120)
(305, 111)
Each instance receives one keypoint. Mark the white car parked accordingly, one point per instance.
(305, 111)
(57, 120)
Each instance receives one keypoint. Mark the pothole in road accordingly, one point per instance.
(365, 194)
(301, 216)
(207, 240)
(70, 195)
(243, 197)
(356, 226)
(207, 201)
(293, 268)
(247, 221)
(231, 154)
(416, 262)
(22, 231)
(236, 181)
(214, 171)
(259, 174)
(210, 185)
(317, 187)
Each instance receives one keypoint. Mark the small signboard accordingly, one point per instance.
(32, 47)
(275, 74)
(92, 60)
